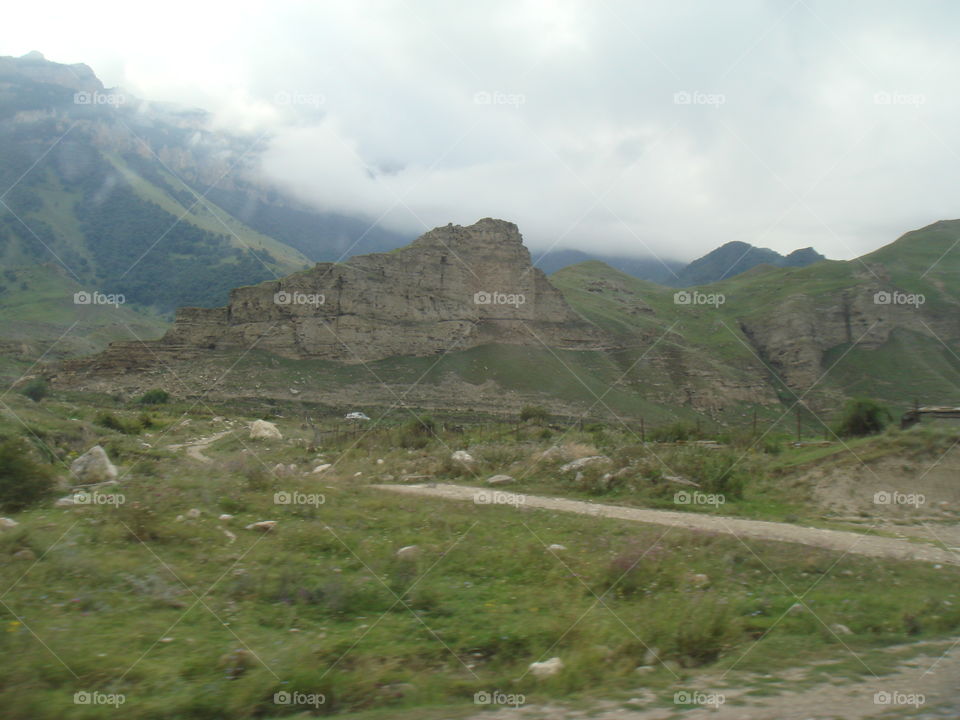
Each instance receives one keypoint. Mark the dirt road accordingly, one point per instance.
(851, 542)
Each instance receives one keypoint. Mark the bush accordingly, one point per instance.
(112, 422)
(861, 417)
(417, 433)
(37, 389)
(536, 413)
(23, 480)
(154, 397)
(677, 432)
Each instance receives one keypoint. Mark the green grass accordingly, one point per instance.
(327, 607)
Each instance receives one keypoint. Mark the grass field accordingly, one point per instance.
(184, 620)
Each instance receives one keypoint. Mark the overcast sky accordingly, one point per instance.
(631, 127)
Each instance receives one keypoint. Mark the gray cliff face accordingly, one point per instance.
(453, 288)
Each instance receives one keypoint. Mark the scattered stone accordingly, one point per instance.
(321, 468)
(680, 480)
(841, 629)
(553, 453)
(584, 462)
(556, 548)
(178, 518)
(396, 691)
(262, 526)
(409, 552)
(379, 461)
(462, 456)
(230, 536)
(698, 579)
(6, 523)
(193, 513)
(546, 668)
(236, 663)
(25, 554)
(499, 480)
(263, 430)
(652, 656)
(673, 666)
(357, 474)
(796, 609)
(93, 467)
(225, 517)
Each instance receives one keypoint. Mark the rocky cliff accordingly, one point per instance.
(451, 289)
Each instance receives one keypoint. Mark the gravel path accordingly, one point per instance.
(196, 447)
(851, 542)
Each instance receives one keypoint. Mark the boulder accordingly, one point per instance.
(321, 468)
(499, 480)
(263, 430)
(840, 629)
(581, 463)
(546, 668)
(409, 552)
(462, 456)
(262, 526)
(93, 467)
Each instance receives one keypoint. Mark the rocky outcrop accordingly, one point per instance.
(451, 289)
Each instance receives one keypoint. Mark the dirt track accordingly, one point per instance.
(848, 542)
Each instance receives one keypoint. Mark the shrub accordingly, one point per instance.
(154, 397)
(112, 422)
(37, 389)
(417, 433)
(676, 432)
(23, 480)
(862, 416)
(535, 413)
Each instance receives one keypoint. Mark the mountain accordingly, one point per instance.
(419, 325)
(733, 258)
(726, 261)
(142, 199)
(653, 269)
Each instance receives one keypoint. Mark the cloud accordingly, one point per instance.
(663, 127)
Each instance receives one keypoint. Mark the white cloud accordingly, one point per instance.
(582, 105)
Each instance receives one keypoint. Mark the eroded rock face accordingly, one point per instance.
(451, 289)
